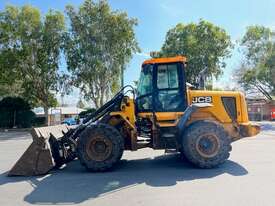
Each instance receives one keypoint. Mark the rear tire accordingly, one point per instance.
(100, 147)
(206, 144)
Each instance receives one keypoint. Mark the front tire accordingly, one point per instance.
(100, 147)
(206, 144)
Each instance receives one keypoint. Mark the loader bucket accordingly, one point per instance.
(37, 159)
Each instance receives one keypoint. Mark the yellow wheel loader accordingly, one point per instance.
(164, 113)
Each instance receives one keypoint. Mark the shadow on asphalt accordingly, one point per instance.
(268, 127)
(73, 184)
(4, 136)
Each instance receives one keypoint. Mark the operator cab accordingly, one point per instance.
(162, 88)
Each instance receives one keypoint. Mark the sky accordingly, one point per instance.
(156, 17)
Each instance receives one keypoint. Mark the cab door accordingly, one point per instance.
(145, 90)
(169, 88)
(170, 91)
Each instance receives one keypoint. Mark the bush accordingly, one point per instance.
(5, 119)
(24, 119)
(39, 121)
(15, 111)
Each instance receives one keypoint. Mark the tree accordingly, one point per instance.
(9, 83)
(30, 51)
(257, 70)
(80, 104)
(205, 45)
(15, 112)
(98, 45)
(257, 43)
(10, 89)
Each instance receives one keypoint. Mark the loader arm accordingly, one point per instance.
(54, 146)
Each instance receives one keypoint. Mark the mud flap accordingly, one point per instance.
(187, 115)
(37, 159)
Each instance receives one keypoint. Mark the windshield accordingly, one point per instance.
(145, 83)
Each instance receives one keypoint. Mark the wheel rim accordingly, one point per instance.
(99, 148)
(208, 145)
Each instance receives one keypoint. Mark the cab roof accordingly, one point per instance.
(165, 60)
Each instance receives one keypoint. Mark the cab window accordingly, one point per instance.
(145, 89)
(145, 84)
(169, 97)
(167, 77)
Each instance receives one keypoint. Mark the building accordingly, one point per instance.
(57, 114)
(260, 109)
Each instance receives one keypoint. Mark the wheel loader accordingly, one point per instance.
(164, 112)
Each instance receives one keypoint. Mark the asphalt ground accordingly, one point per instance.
(147, 177)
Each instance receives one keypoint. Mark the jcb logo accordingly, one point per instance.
(207, 99)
